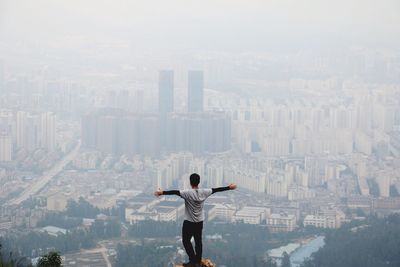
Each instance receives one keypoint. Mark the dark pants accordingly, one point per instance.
(189, 230)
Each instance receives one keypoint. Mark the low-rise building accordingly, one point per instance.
(327, 218)
(166, 214)
(319, 221)
(6, 225)
(222, 212)
(251, 215)
(53, 230)
(281, 222)
(136, 216)
(57, 202)
(363, 202)
(170, 210)
(160, 210)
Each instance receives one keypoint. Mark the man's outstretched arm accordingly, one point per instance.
(226, 188)
(170, 192)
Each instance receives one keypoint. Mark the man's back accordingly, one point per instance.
(194, 203)
(194, 215)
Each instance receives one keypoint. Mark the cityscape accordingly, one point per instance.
(311, 138)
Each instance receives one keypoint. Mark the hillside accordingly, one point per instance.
(375, 244)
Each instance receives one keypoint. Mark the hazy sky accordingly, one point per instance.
(209, 23)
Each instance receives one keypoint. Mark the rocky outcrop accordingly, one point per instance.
(204, 263)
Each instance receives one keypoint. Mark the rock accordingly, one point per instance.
(207, 263)
(204, 263)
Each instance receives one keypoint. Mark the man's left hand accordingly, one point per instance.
(158, 193)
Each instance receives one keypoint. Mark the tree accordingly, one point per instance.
(373, 188)
(143, 255)
(285, 260)
(52, 259)
(393, 191)
(270, 263)
(83, 209)
(377, 245)
(11, 262)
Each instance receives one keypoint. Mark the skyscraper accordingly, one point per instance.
(166, 91)
(195, 91)
(48, 131)
(2, 82)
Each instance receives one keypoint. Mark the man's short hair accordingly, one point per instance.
(194, 179)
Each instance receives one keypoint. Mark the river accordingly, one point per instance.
(298, 252)
(305, 251)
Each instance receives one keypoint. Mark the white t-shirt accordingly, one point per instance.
(194, 203)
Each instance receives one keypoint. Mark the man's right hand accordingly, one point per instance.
(232, 186)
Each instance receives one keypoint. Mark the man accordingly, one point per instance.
(194, 216)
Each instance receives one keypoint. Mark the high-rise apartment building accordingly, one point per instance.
(107, 134)
(165, 101)
(5, 147)
(2, 82)
(200, 133)
(195, 91)
(48, 131)
(128, 135)
(6, 122)
(89, 131)
(21, 129)
(32, 132)
(113, 131)
(149, 135)
(166, 91)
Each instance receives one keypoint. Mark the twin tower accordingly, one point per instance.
(166, 91)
